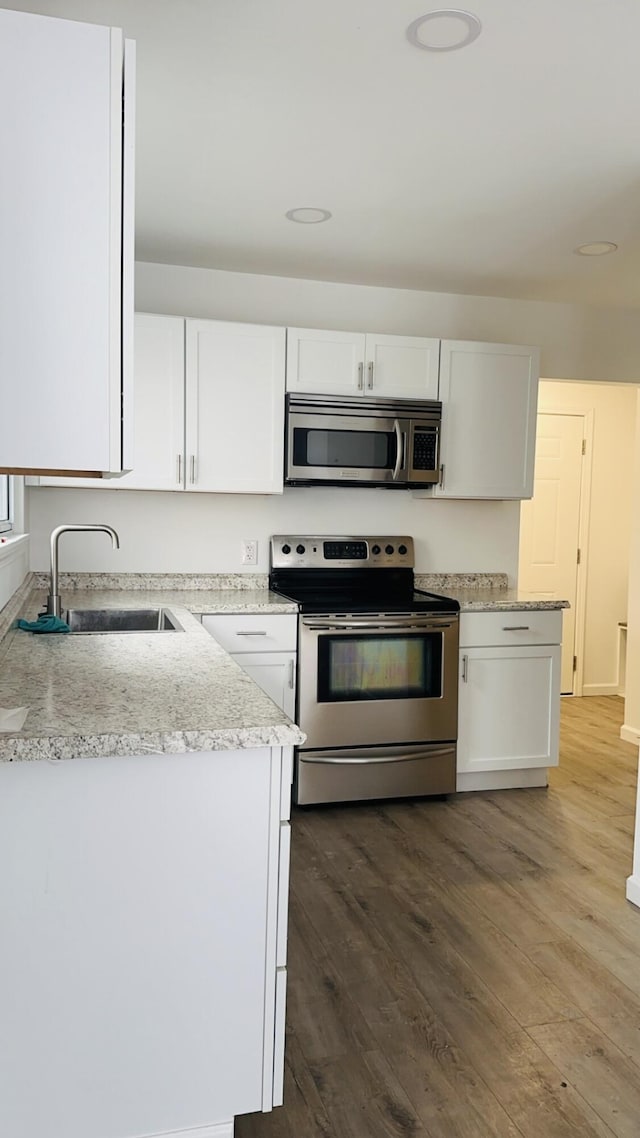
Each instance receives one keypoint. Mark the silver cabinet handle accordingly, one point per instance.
(399, 447)
(465, 668)
(292, 673)
(370, 374)
(257, 633)
(441, 478)
(179, 470)
(360, 376)
(515, 628)
(192, 464)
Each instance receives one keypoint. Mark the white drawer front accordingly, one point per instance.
(258, 633)
(510, 627)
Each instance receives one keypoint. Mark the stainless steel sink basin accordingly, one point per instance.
(122, 620)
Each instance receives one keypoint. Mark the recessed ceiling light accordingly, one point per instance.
(308, 215)
(445, 29)
(596, 249)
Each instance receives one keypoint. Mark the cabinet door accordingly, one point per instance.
(508, 708)
(61, 235)
(158, 411)
(235, 407)
(325, 363)
(158, 405)
(275, 673)
(489, 395)
(402, 367)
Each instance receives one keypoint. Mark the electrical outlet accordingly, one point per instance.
(249, 552)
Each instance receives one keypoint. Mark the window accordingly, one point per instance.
(5, 503)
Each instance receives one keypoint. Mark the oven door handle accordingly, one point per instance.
(353, 760)
(348, 625)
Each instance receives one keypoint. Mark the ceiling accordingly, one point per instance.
(472, 171)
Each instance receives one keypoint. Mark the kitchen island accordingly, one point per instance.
(144, 840)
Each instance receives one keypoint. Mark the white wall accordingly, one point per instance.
(631, 728)
(577, 342)
(201, 533)
(613, 410)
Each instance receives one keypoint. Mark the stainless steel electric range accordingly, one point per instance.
(377, 690)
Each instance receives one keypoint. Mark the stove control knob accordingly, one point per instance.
(286, 549)
(402, 549)
(388, 549)
(300, 549)
(375, 549)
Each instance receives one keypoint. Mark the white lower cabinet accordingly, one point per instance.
(265, 647)
(143, 982)
(509, 698)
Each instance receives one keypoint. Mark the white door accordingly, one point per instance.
(275, 673)
(489, 395)
(325, 363)
(402, 367)
(158, 405)
(60, 239)
(235, 407)
(550, 525)
(508, 708)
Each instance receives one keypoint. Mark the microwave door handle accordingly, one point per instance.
(399, 450)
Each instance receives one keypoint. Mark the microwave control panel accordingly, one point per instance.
(425, 447)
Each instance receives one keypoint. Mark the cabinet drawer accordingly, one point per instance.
(510, 627)
(257, 633)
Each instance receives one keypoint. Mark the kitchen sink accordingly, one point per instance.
(122, 620)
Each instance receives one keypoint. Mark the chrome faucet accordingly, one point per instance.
(53, 600)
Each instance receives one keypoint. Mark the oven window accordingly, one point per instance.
(379, 667)
(370, 450)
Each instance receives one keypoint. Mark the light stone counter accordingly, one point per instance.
(137, 693)
(484, 592)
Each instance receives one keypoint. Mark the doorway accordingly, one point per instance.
(588, 495)
(550, 525)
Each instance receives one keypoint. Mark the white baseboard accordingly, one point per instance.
(215, 1130)
(633, 890)
(630, 734)
(600, 689)
(502, 780)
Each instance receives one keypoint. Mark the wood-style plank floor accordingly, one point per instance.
(469, 968)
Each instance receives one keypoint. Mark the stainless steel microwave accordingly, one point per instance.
(339, 440)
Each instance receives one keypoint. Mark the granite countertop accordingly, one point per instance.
(172, 692)
(141, 693)
(485, 592)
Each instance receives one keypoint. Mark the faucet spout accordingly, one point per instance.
(54, 605)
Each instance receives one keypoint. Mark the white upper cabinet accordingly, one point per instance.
(401, 367)
(66, 235)
(352, 363)
(235, 407)
(158, 405)
(158, 411)
(325, 363)
(489, 397)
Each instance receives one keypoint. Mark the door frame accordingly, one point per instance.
(584, 518)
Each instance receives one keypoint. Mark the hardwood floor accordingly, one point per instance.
(469, 968)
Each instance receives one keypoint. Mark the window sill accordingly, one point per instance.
(12, 544)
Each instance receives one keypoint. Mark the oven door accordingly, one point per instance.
(370, 680)
(338, 449)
